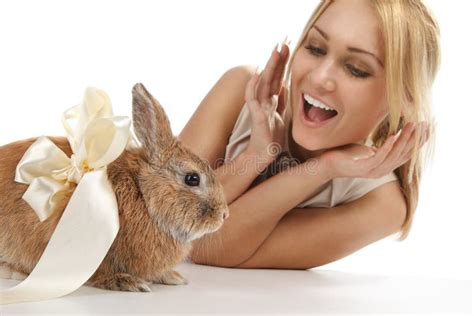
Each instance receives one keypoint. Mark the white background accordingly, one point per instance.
(52, 50)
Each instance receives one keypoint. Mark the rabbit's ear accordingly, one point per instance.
(150, 122)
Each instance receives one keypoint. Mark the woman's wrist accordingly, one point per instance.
(259, 161)
(318, 168)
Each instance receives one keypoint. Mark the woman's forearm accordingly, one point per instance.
(255, 214)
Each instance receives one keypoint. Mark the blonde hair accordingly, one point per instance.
(412, 58)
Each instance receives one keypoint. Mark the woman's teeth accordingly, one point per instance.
(317, 103)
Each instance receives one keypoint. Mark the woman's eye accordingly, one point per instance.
(353, 71)
(317, 51)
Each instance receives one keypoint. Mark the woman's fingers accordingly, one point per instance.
(400, 145)
(266, 79)
(251, 87)
(279, 70)
(408, 152)
(281, 101)
(402, 150)
(380, 154)
(257, 112)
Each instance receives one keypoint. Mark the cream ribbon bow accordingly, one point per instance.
(97, 139)
(90, 221)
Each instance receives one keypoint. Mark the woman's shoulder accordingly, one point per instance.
(354, 188)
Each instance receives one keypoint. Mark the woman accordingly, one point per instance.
(350, 121)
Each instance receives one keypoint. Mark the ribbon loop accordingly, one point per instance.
(42, 159)
(96, 140)
(105, 140)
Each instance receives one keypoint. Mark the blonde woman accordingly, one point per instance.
(321, 153)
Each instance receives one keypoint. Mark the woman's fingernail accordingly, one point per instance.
(256, 71)
(285, 40)
(394, 138)
(397, 135)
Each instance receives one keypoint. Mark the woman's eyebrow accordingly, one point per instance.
(351, 49)
(361, 51)
(323, 34)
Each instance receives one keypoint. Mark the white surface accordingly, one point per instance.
(223, 291)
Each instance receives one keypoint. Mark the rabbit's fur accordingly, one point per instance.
(159, 213)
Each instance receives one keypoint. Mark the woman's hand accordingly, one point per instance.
(355, 160)
(265, 101)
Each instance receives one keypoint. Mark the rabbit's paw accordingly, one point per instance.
(171, 277)
(7, 272)
(122, 282)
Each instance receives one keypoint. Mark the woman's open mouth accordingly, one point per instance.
(315, 112)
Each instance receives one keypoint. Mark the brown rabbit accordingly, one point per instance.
(167, 197)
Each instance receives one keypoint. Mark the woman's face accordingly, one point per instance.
(340, 64)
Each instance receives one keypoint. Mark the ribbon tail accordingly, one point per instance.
(78, 245)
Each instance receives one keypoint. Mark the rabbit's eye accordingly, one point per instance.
(192, 179)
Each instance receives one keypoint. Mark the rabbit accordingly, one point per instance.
(167, 197)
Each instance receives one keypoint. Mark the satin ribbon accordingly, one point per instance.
(90, 221)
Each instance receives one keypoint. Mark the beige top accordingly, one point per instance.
(332, 193)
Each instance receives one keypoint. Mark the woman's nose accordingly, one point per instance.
(323, 77)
